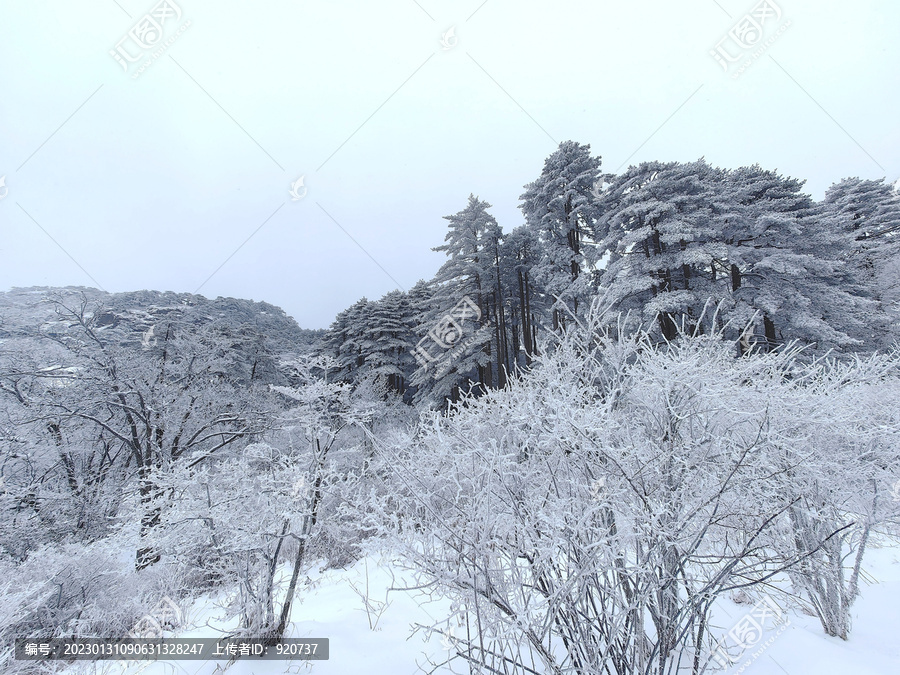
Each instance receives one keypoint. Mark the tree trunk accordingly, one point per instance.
(270, 577)
(769, 328)
(735, 277)
(309, 523)
(147, 555)
(526, 323)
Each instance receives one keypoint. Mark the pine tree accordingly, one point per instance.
(388, 341)
(457, 329)
(662, 243)
(682, 239)
(787, 263)
(560, 207)
(868, 212)
(345, 341)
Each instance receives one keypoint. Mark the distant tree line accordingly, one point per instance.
(680, 246)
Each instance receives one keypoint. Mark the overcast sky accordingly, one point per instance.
(392, 112)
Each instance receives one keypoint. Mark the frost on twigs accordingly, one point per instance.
(591, 513)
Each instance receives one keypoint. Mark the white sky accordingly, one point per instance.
(154, 182)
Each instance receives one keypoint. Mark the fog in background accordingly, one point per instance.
(392, 113)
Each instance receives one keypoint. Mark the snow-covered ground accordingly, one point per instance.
(873, 647)
(378, 642)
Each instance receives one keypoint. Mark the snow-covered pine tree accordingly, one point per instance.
(872, 207)
(560, 207)
(662, 243)
(520, 252)
(787, 263)
(345, 340)
(420, 299)
(388, 341)
(466, 280)
(868, 211)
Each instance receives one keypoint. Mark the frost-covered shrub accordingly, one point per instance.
(834, 441)
(225, 523)
(585, 519)
(77, 590)
(238, 519)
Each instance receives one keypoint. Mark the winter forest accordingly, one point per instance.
(642, 433)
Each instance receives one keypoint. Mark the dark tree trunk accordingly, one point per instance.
(573, 239)
(735, 277)
(526, 324)
(685, 269)
(147, 555)
(668, 326)
(502, 335)
(769, 327)
(500, 339)
(309, 523)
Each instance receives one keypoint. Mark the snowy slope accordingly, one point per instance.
(378, 642)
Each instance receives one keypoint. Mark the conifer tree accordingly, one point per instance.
(458, 328)
(661, 242)
(345, 340)
(868, 212)
(388, 341)
(788, 265)
(561, 208)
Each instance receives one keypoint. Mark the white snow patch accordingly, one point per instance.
(379, 643)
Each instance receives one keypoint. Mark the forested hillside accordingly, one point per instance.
(28, 310)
